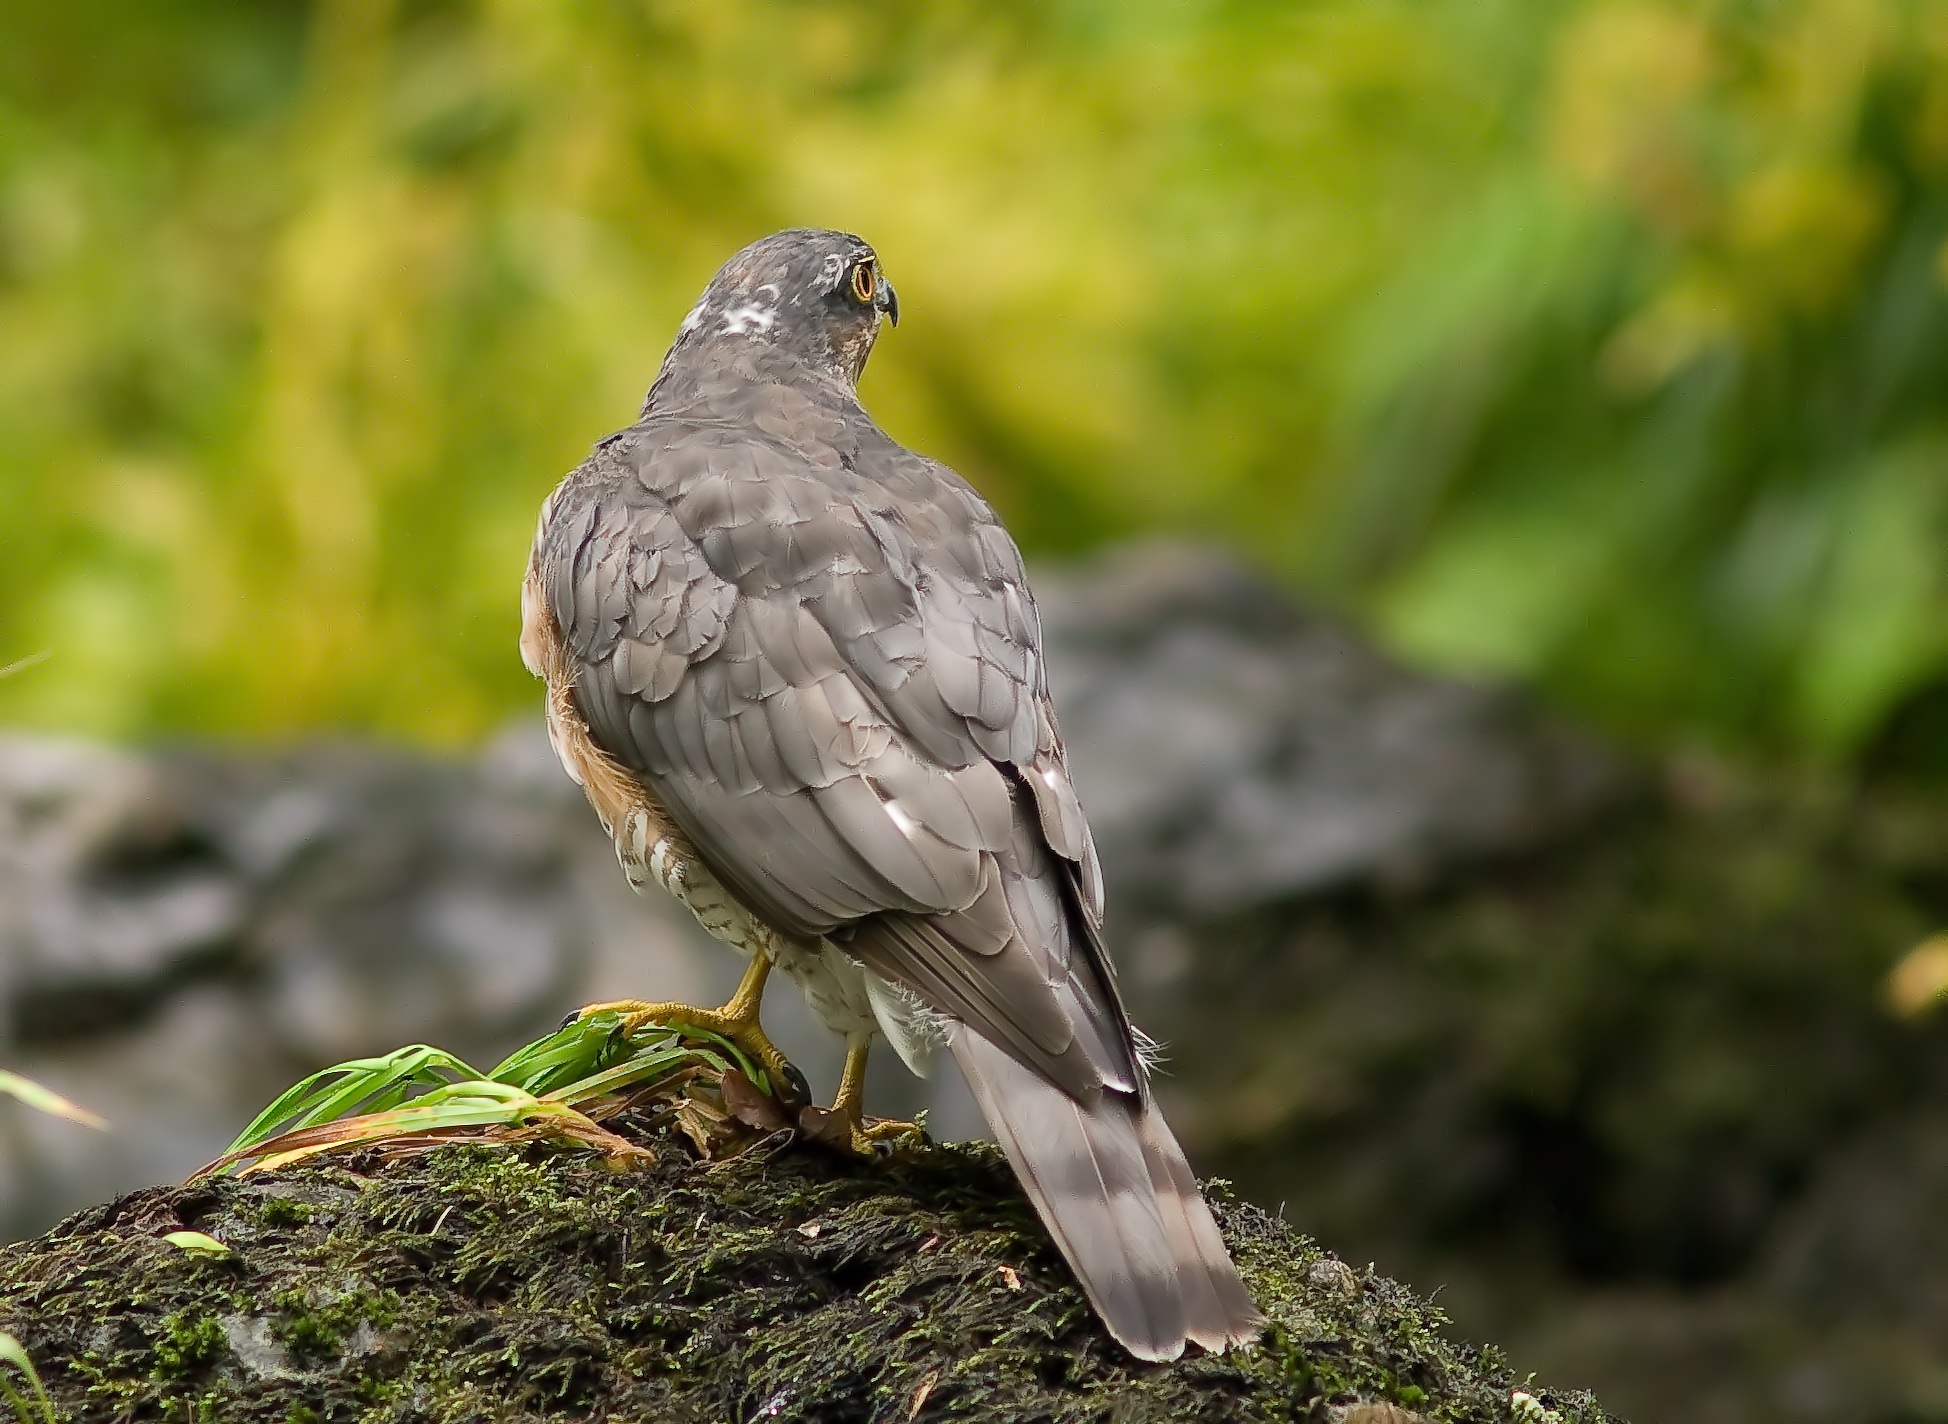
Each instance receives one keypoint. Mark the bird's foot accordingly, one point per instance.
(845, 1127)
(884, 1135)
(733, 1022)
(845, 1131)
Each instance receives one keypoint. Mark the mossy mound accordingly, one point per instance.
(479, 1283)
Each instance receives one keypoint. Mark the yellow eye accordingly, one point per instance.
(865, 283)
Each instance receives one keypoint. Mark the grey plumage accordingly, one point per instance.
(818, 652)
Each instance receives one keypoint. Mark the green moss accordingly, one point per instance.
(187, 1342)
(478, 1283)
(309, 1325)
(284, 1211)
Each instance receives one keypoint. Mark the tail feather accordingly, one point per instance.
(1115, 1192)
(1217, 1311)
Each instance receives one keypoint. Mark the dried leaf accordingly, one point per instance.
(757, 1110)
(825, 1126)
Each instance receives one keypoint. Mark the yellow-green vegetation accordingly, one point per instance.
(557, 1088)
(1596, 341)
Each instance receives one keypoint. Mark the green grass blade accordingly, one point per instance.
(501, 1108)
(591, 1047)
(642, 1067)
(426, 1069)
(473, 1104)
(463, 1112)
(588, 1046)
(422, 1089)
(389, 1078)
(326, 1094)
(736, 1055)
(12, 1352)
(572, 1051)
(303, 1097)
(15, 1402)
(333, 1092)
(474, 1090)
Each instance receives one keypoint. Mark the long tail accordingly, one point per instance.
(1113, 1187)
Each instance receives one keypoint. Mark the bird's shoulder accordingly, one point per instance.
(781, 488)
(747, 514)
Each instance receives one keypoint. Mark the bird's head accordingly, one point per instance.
(805, 292)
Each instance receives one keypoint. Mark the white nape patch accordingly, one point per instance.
(773, 288)
(746, 319)
(695, 319)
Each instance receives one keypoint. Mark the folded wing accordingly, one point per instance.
(834, 684)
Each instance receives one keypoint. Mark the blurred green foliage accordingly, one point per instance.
(1599, 344)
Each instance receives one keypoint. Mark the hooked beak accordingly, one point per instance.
(888, 301)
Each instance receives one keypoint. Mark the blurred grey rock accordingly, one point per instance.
(69, 924)
(184, 933)
(1233, 749)
(1867, 1239)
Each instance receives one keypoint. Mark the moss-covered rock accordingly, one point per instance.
(528, 1283)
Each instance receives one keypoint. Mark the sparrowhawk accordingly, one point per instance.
(798, 670)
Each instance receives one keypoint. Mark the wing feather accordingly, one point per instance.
(833, 682)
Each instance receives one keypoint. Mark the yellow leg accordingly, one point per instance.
(848, 1108)
(851, 1101)
(737, 1021)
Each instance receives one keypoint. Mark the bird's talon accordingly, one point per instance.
(789, 1085)
(884, 1137)
(842, 1131)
